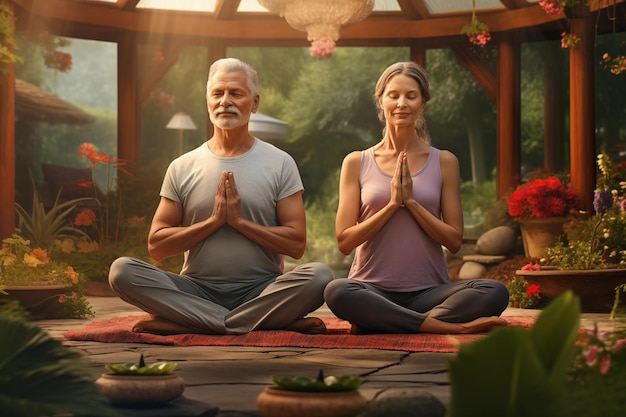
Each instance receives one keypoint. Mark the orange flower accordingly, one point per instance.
(72, 274)
(32, 261)
(61, 298)
(136, 220)
(41, 254)
(85, 218)
(88, 150)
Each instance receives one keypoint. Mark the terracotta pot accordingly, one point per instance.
(277, 402)
(595, 288)
(141, 390)
(539, 234)
(33, 297)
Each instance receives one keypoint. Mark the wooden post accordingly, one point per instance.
(7, 152)
(553, 121)
(582, 110)
(508, 105)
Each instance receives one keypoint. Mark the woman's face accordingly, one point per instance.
(401, 101)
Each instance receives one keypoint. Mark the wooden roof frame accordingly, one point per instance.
(413, 27)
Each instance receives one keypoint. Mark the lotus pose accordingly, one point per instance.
(399, 203)
(234, 207)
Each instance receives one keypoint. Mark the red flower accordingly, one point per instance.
(533, 290)
(542, 198)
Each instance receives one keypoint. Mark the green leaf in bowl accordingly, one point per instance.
(328, 384)
(159, 368)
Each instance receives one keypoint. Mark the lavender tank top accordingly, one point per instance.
(401, 257)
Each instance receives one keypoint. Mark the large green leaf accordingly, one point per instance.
(515, 372)
(554, 334)
(41, 377)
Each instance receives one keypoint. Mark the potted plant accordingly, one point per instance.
(327, 396)
(541, 206)
(140, 384)
(45, 287)
(592, 260)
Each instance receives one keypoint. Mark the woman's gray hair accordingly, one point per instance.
(233, 65)
(415, 71)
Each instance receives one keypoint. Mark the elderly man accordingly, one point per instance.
(234, 207)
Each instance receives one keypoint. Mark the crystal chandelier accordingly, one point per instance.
(320, 19)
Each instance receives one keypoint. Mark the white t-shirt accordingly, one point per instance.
(263, 176)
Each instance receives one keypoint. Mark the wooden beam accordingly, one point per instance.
(482, 75)
(127, 4)
(413, 9)
(226, 9)
(250, 26)
(158, 70)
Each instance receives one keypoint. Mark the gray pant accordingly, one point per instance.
(376, 310)
(230, 308)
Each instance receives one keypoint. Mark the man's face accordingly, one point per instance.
(229, 100)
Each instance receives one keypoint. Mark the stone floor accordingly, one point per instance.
(228, 379)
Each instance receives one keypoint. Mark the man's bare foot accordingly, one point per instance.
(308, 325)
(161, 327)
(483, 324)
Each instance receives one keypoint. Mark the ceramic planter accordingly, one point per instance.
(277, 402)
(141, 390)
(539, 234)
(595, 288)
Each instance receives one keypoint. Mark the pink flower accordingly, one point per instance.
(591, 355)
(619, 345)
(531, 267)
(479, 39)
(322, 48)
(605, 364)
(551, 7)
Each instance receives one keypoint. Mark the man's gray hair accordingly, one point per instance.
(232, 65)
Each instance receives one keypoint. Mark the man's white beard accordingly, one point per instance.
(234, 120)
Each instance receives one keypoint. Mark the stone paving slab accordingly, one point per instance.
(230, 378)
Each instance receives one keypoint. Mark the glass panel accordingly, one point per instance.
(183, 5)
(251, 6)
(386, 6)
(453, 6)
